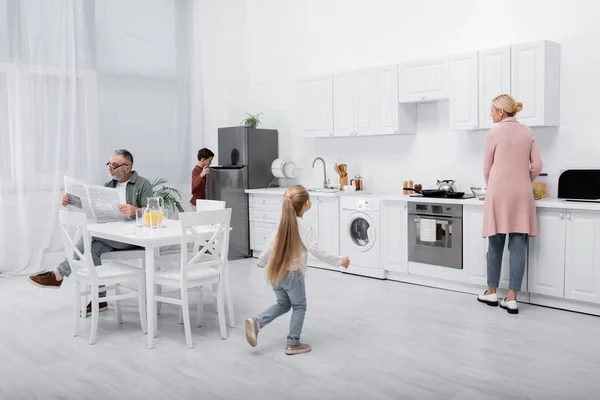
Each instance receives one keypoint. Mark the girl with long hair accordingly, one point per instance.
(285, 257)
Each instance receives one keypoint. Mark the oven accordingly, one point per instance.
(435, 234)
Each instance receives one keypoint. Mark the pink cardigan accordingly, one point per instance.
(511, 162)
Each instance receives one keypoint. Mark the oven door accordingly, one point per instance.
(435, 240)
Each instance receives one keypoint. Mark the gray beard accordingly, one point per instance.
(114, 177)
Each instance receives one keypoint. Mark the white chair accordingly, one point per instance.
(209, 205)
(110, 274)
(212, 205)
(204, 268)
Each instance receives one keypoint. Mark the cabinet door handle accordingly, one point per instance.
(568, 215)
(562, 216)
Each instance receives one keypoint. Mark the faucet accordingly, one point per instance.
(325, 181)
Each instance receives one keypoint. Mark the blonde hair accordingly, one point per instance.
(507, 103)
(288, 244)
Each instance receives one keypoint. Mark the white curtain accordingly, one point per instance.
(79, 79)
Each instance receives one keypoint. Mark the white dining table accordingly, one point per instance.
(151, 239)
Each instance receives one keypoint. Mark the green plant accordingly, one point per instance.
(170, 196)
(252, 121)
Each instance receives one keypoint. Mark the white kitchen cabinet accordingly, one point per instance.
(475, 251)
(366, 103)
(494, 79)
(314, 106)
(264, 214)
(394, 236)
(582, 259)
(474, 245)
(547, 254)
(323, 218)
(260, 233)
(422, 81)
(344, 104)
(464, 112)
(329, 223)
(535, 81)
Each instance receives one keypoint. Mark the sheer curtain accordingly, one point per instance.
(78, 79)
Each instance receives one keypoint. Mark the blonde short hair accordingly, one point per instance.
(507, 103)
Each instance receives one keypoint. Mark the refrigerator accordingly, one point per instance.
(245, 156)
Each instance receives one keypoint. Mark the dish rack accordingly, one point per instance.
(284, 172)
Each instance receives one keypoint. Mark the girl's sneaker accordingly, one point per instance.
(290, 350)
(252, 329)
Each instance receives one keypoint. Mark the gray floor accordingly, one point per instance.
(371, 340)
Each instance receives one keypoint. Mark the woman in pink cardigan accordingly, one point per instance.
(511, 162)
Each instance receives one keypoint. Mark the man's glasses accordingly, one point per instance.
(113, 166)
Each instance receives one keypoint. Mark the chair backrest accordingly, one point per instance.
(196, 227)
(73, 227)
(209, 205)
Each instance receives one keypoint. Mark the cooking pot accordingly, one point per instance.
(446, 185)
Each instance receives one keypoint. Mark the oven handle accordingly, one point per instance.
(418, 217)
(443, 223)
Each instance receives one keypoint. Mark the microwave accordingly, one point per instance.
(579, 185)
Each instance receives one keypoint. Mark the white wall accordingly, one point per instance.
(220, 25)
(287, 39)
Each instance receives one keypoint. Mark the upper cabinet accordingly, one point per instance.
(345, 102)
(423, 80)
(314, 106)
(463, 92)
(494, 79)
(529, 72)
(365, 102)
(383, 100)
(535, 81)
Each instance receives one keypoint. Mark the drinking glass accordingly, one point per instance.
(139, 217)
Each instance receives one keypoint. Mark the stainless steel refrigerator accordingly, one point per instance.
(245, 156)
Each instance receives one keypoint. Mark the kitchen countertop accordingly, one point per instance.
(280, 191)
(437, 200)
(543, 203)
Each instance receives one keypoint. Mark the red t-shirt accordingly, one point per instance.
(198, 185)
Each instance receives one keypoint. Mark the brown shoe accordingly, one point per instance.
(297, 349)
(252, 328)
(103, 306)
(45, 280)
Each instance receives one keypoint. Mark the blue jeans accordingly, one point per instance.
(517, 246)
(291, 293)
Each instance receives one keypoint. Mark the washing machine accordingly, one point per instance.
(360, 235)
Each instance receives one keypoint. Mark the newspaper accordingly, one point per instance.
(99, 203)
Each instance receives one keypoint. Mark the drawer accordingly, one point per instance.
(265, 215)
(260, 233)
(261, 200)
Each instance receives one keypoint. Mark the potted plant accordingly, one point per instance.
(252, 121)
(170, 196)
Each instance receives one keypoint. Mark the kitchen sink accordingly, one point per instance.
(321, 190)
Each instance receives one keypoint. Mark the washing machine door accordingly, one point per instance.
(360, 232)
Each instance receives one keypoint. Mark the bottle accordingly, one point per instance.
(404, 185)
